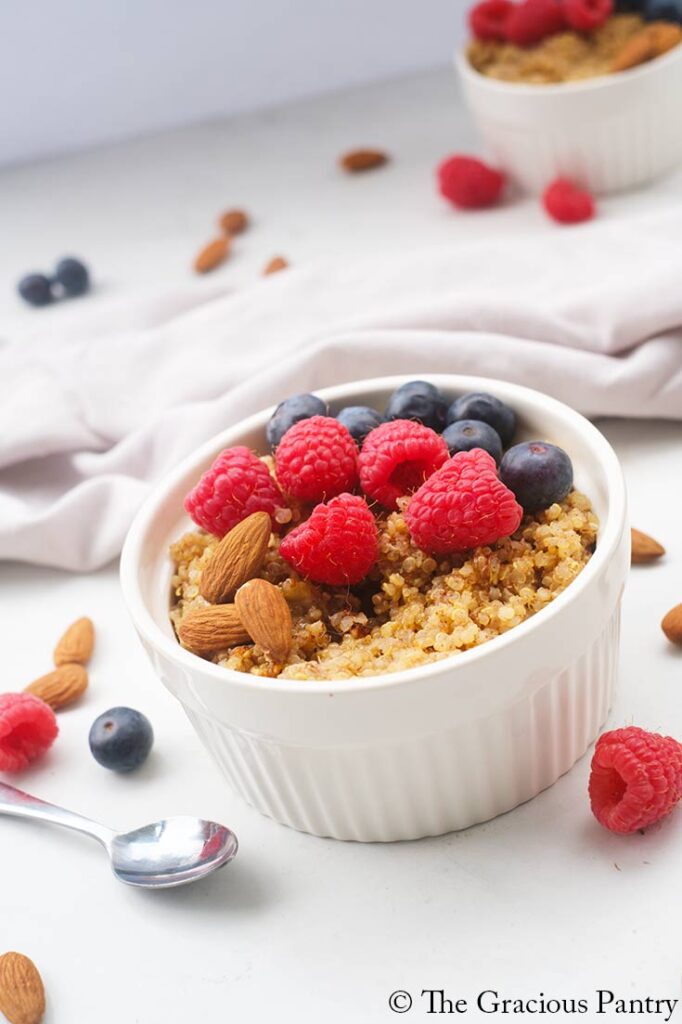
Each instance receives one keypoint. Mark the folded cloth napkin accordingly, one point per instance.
(92, 417)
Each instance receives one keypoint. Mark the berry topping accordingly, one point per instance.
(121, 739)
(534, 20)
(463, 505)
(469, 183)
(292, 410)
(478, 405)
(237, 484)
(316, 459)
(655, 10)
(566, 203)
(397, 458)
(73, 276)
(463, 435)
(336, 545)
(418, 400)
(488, 19)
(359, 420)
(538, 473)
(586, 15)
(35, 289)
(636, 778)
(28, 728)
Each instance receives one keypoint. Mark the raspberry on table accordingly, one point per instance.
(469, 183)
(533, 20)
(397, 458)
(337, 544)
(237, 484)
(488, 19)
(635, 778)
(28, 728)
(566, 203)
(316, 459)
(463, 505)
(586, 15)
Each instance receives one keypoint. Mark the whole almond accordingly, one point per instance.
(212, 629)
(645, 548)
(276, 264)
(22, 996)
(265, 613)
(76, 644)
(60, 687)
(212, 255)
(672, 624)
(233, 222)
(237, 558)
(362, 160)
(652, 41)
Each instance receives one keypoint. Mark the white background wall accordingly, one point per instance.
(81, 72)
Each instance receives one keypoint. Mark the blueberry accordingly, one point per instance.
(359, 420)
(538, 473)
(418, 400)
(663, 10)
(480, 406)
(628, 6)
(35, 289)
(73, 276)
(121, 739)
(290, 411)
(463, 435)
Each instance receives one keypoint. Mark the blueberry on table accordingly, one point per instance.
(35, 289)
(538, 473)
(73, 276)
(121, 739)
(463, 435)
(418, 400)
(478, 405)
(290, 411)
(359, 420)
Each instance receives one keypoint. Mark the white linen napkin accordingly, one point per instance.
(91, 417)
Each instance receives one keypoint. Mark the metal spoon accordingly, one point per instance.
(164, 854)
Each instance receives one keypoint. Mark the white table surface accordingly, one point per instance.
(298, 928)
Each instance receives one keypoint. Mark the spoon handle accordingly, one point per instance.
(23, 805)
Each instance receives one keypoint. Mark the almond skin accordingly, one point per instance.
(76, 644)
(22, 996)
(265, 613)
(645, 548)
(60, 687)
(237, 558)
(362, 160)
(672, 624)
(212, 255)
(212, 629)
(276, 264)
(233, 222)
(652, 41)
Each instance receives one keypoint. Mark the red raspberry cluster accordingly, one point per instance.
(527, 22)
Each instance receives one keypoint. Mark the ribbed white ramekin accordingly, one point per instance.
(606, 133)
(419, 752)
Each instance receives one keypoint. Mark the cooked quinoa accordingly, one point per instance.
(413, 608)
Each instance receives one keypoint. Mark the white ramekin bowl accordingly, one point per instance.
(418, 752)
(607, 133)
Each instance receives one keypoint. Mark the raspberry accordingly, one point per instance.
(237, 484)
(635, 779)
(488, 19)
(586, 15)
(463, 505)
(534, 20)
(28, 728)
(566, 203)
(397, 458)
(337, 544)
(469, 183)
(316, 459)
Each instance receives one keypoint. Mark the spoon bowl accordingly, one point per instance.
(171, 852)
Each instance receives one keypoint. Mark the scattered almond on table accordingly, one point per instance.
(60, 687)
(76, 644)
(212, 255)
(357, 160)
(276, 263)
(22, 995)
(644, 548)
(233, 222)
(672, 624)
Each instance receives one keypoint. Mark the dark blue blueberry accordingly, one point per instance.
(290, 411)
(628, 6)
(663, 10)
(418, 400)
(463, 435)
(121, 739)
(35, 289)
(480, 406)
(538, 473)
(73, 276)
(359, 420)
